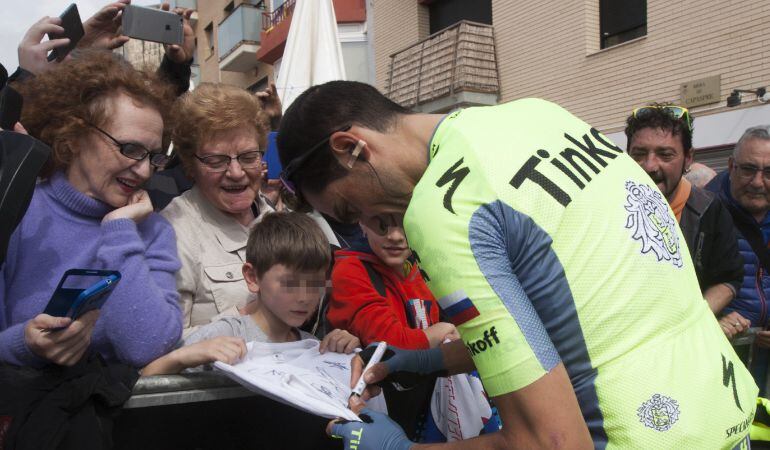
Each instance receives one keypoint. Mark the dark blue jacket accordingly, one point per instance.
(752, 299)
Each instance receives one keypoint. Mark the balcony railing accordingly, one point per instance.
(458, 59)
(238, 37)
(278, 15)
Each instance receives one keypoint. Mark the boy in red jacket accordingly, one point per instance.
(378, 294)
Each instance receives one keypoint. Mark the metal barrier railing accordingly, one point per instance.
(193, 387)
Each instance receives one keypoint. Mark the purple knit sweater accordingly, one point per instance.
(62, 230)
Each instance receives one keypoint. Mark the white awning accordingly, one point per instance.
(312, 54)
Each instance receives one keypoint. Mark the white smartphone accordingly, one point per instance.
(149, 24)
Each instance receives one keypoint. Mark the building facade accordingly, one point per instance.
(142, 54)
(227, 34)
(241, 42)
(600, 59)
(353, 26)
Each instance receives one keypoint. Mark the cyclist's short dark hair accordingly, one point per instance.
(317, 113)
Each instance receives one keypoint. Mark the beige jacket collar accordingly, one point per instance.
(232, 236)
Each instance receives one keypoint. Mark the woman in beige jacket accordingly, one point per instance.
(220, 135)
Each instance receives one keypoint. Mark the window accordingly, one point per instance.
(622, 20)
(445, 13)
(210, 37)
(230, 7)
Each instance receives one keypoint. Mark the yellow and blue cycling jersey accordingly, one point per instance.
(546, 243)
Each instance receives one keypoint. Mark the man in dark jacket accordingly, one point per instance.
(745, 190)
(660, 140)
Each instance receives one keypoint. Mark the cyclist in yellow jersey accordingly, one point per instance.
(555, 255)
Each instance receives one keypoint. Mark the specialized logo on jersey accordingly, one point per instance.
(458, 307)
(741, 428)
(455, 175)
(728, 378)
(651, 223)
(659, 412)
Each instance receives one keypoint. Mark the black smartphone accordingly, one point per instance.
(73, 29)
(156, 25)
(10, 107)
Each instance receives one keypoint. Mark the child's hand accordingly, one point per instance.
(339, 341)
(439, 332)
(222, 348)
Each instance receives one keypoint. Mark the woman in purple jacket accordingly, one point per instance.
(104, 120)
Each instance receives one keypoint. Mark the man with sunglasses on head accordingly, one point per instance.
(660, 141)
(552, 252)
(745, 190)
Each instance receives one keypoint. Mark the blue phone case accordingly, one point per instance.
(94, 297)
(274, 168)
(74, 302)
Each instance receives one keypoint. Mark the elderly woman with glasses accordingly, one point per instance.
(104, 121)
(220, 134)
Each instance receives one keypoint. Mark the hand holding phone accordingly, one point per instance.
(103, 28)
(154, 25)
(73, 30)
(33, 51)
(64, 347)
(81, 291)
(184, 52)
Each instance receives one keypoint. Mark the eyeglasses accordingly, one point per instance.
(220, 163)
(137, 152)
(748, 172)
(678, 112)
(291, 168)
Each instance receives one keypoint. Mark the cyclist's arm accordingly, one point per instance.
(542, 415)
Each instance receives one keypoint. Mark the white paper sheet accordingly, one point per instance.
(297, 374)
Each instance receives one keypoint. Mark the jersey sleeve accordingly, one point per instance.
(496, 319)
(462, 242)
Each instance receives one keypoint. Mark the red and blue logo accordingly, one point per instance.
(458, 307)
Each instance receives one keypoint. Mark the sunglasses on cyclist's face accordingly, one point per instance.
(288, 173)
(137, 152)
(677, 112)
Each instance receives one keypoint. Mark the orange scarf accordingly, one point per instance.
(680, 197)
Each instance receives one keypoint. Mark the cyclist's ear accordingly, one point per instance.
(348, 147)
